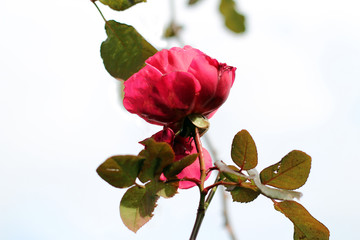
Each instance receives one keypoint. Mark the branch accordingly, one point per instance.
(201, 209)
(225, 212)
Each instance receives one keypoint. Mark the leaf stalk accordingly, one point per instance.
(102, 15)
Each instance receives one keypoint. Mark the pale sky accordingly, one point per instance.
(297, 87)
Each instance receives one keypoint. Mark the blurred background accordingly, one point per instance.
(297, 87)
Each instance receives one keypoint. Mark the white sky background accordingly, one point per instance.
(297, 87)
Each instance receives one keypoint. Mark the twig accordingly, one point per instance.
(199, 217)
(212, 191)
(226, 216)
(225, 211)
(218, 183)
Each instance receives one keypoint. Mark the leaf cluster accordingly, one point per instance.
(290, 173)
(139, 201)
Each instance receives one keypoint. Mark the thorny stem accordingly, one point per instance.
(203, 204)
(199, 216)
(201, 208)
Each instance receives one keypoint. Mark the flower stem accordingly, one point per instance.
(201, 208)
(203, 205)
(199, 216)
(201, 158)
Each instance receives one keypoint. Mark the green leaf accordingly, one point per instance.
(290, 173)
(233, 177)
(124, 51)
(176, 167)
(158, 155)
(243, 150)
(233, 19)
(121, 5)
(137, 206)
(166, 190)
(193, 121)
(298, 234)
(306, 227)
(191, 2)
(199, 121)
(120, 171)
(244, 194)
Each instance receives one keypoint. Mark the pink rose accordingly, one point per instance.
(176, 83)
(183, 147)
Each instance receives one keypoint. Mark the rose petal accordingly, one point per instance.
(160, 99)
(174, 59)
(205, 70)
(167, 135)
(184, 147)
(178, 90)
(193, 171)
(137, 92)
(176, 83)
(226, 76)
